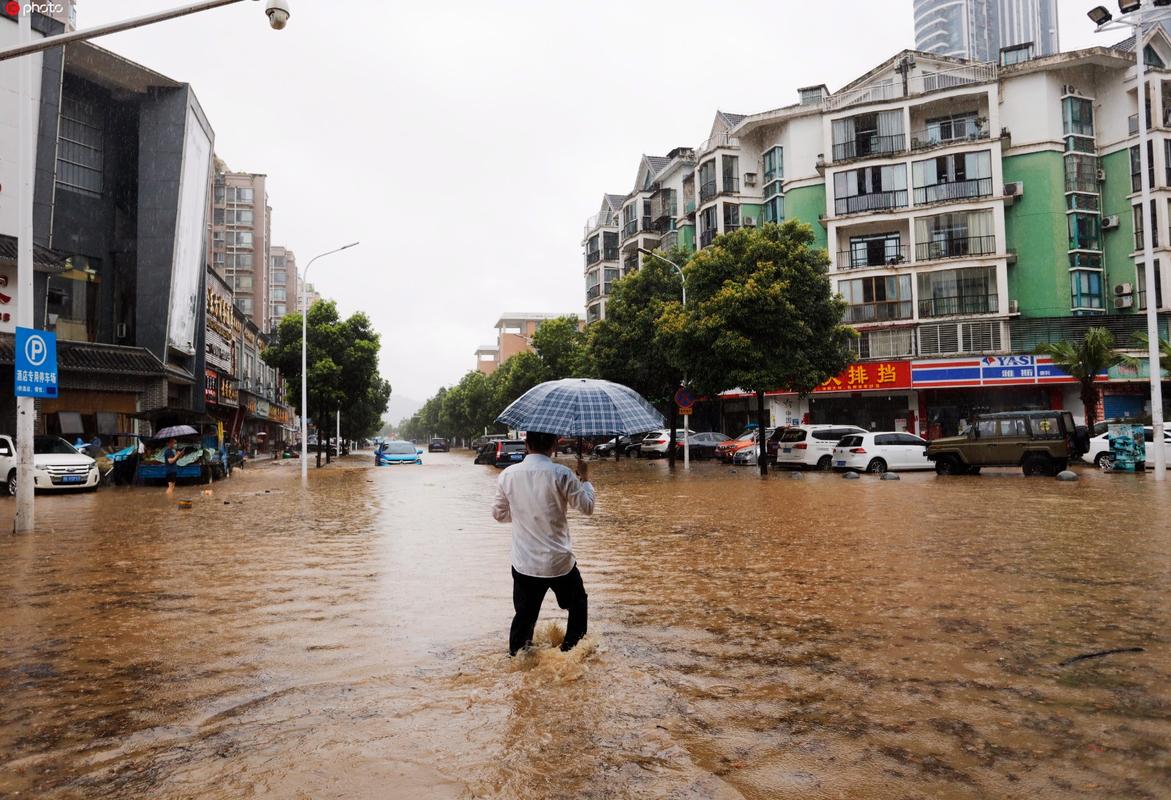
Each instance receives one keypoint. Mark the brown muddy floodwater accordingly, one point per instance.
(784, 638)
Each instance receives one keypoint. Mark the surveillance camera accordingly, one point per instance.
(278, 14)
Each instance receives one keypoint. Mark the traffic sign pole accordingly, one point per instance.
(685, 400)
(25, 406)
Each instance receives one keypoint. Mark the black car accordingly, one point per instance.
(606, 448)
(438, 445)
(501, 453)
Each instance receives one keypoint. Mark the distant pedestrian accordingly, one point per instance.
(534, 495)
(171, 461)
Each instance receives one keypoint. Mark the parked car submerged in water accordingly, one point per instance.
(56, 465)
(702, 445)
(1039, 442)
(811, 446)
(438, 445)
(501, 453)
(883, 451)
(1099, 455)
(389, 453)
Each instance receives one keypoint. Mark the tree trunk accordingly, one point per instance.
(671, 436)
(319, 435)
(762, 452)
(1090, 403)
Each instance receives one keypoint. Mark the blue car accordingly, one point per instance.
(397, 453)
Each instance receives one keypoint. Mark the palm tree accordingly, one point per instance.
(1164, 348)
(1083, 360)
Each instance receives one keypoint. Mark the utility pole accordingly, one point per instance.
(25, 406)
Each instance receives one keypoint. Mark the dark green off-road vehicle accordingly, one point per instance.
(1039, 442)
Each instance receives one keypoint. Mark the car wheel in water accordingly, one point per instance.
(876, 465)
(947, 465)
(1104, 462)
(824, 463)
(1034, 466)
(11, 484)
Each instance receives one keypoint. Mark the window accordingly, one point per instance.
(870, 189)
(951, 128)
(240, 194)
(242, 283)
(239, 238)
(960, 234)
(1166, 162)
(1152, 58)
(80, 147)
(1141, 285)
(1016, 54)
(278, 293)
(217, 216)
(1081, 173)
(877, 299)
(731, 217)
(219, 194)
(1086, 290)
(707, 180)
(954, 177)
(240, 260)
(891, 343)
(1082, 202)
(730, 170)
(1136, 213)
(244, 304)
(279, 278)
(240, 216)
(1085, 261)
(708, 226)
(1136, 180)
(774, 169)
(869, 134)
(1078, 116)
(1085, 231)
(966, 337)
(952, 292)
(874, 250)
(774, 209)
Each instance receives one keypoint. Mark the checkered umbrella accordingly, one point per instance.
(582, 407)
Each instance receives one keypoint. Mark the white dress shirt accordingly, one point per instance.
(533, 496)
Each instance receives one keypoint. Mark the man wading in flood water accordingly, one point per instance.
(533, 496)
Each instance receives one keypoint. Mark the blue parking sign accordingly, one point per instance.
(36, 363)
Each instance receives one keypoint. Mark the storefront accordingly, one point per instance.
(875, 395)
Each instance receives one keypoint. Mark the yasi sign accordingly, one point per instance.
(1014, 370)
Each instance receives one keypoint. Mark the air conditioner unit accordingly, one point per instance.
(1110, 223)
(1014, 189)
(120, 330)
(1101, 175)
(749, 178)
(1014, 307)
(1121, 289)
(1123, 302)
(749, 222)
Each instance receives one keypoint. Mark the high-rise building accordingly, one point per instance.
(282, 281)
(240, 230)
(979, 29)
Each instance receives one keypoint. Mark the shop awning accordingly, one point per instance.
(44, 259)
(94, 358)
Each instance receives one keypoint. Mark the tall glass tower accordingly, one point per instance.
(977, 29)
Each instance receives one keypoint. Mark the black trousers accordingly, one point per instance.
(527, 595)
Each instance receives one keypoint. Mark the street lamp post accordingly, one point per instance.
(304, 362)
(683, 281)
(1135, 16)
(278, 17)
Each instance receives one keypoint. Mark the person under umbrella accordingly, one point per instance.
(171, 460)
(535, 494)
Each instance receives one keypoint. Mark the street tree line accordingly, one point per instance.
(343, 372)
(760, 313)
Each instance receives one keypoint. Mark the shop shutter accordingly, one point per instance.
(981, 337)
(938, 339)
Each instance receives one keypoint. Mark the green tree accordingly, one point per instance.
(1141, 340)
(632, 345)
(343, 374)
(1083, 359)
(761, 315)
(560, 344)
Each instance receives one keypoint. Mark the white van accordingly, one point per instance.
(811, 446)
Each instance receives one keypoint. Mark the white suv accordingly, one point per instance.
(56, 465)
(811, 446)
(656, 442)
(879, 452)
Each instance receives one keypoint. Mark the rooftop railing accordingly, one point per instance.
(917, 84)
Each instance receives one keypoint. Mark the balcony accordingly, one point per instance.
(669, 240)
(961, 131)
(958, 247)
(956, 306)
(719, 140)
(610, 253)
(629, 229)
(593, 293)
(865, 146)
(707, 237)
(955, 190)
(884, 311)
(599, 220)
(920, 83)
(861, 258)
(707, 191)
(593, 257)
(731, 185)
(876, 201)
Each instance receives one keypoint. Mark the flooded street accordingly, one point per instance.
(787, 638)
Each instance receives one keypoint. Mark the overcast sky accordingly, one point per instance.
(465, 143)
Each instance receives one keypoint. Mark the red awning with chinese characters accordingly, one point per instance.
(870, 376)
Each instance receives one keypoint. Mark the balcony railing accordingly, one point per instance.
(629, 229)
(707, 191)
(862, 258)
(593, 292)
(731, 185)
(593, 257)
(884, 311)
(719, 140)
(917, 84)
(957, 247)
(955, 306)
(729, 227)
(599, 220)
(870, 146)
(955, 190)
(961, 131)
(610, 253)
(669, 240)
(630, 264)
(647, 225)
(706, 238)
(870, 202)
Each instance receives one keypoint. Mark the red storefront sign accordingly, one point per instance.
(210, 383)
(870, 376)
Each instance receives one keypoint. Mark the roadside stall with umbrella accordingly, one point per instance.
(202, 459)
(581, 407)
